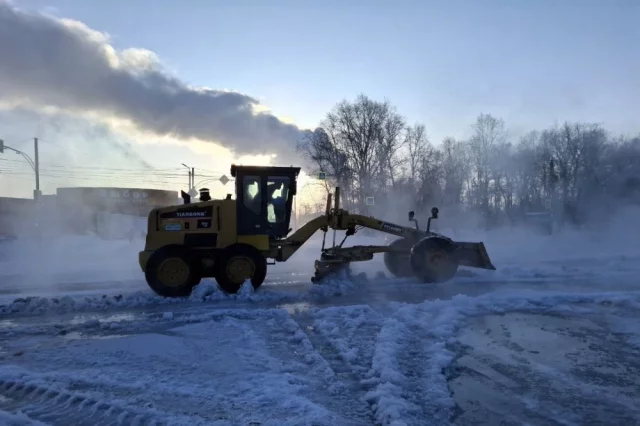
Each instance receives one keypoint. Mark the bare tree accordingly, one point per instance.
(357, 143)
(365, 147)
(416, 143)
(488, 133)
(456, 168)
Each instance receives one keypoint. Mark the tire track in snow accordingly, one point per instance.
(56, 407)
(392, 364)
(372, 355)
(292, 340)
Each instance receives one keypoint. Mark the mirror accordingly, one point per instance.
(186, 198)
(411, 215)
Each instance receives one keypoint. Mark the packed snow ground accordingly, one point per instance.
(552, 337)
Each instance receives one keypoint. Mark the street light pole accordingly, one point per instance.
(34, 165)
(192, 180)
(36, 194)
(189, 186)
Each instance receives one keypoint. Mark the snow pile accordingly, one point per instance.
(208, 290)
(337, 284)
(390, 383)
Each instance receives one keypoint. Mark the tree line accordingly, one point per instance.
(575, 170)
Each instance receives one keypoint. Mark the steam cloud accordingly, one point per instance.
(63, 63)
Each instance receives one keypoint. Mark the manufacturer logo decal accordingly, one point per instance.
(191, 214)
(188, 213)
(391, 228)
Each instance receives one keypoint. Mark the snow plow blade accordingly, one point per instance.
(473, 255)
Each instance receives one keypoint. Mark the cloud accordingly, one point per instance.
(45, 61)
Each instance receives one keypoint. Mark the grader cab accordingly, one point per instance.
(231, 239)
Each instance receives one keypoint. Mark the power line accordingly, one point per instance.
(177, 171)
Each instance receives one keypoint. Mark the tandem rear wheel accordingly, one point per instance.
(238, 263)
(173, 271)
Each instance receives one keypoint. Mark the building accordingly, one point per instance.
(109, 212)
(129, 201)
(13, 216)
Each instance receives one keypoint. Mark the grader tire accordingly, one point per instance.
(398, 264)
(433, 260)
(237, 263)
(172, 271)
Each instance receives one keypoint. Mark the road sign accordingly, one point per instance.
(368, 201)
(224, 179)
(322, 176)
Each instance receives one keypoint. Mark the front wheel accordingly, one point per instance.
(398, 263)
(433, 260)
(238, 263)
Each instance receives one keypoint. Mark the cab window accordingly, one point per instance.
(277, 193)
(251, 194)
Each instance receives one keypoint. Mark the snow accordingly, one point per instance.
(269, 361)
(19, 419)
(384, 352)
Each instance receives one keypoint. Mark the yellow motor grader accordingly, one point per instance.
(232, 240)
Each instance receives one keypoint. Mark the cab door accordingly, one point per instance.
(251, 205)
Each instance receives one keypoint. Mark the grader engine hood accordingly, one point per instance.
(473, 255)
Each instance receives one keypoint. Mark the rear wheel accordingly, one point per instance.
(238, 263)
(172, 271)
(433, 260)
(399, 264)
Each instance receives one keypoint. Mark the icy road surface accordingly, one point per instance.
(540, 341)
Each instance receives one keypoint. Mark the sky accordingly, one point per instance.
(114, 90)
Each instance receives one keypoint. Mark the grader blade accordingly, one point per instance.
(337, 259)
(324, 269)
(473, 255)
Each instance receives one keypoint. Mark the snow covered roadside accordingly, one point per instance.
(324, 366)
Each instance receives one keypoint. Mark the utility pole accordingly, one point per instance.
(36, 194)
(189, 169)
(34, 165)
(192, 180)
